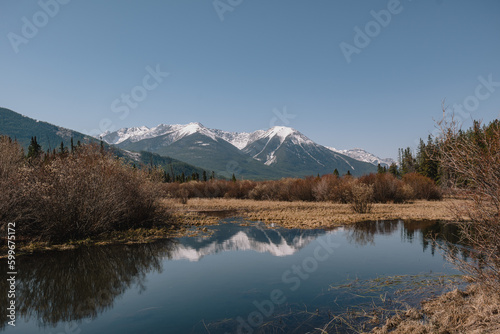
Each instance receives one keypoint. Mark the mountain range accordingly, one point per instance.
(264, 154)
(192, 148)
(49, 136)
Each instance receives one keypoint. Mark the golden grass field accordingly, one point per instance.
(311, 214)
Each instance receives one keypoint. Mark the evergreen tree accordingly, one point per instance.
(233, 178)
(380, 169)
(348, 173)
(393, 169)
(204, 176)
(62, 149)
(407, 162)
(336, 172)
(183, 178)
(34, 150)
(72, 146)
(212, 177)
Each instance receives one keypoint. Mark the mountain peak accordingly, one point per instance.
(281, 131)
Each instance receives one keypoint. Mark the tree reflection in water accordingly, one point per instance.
(81, 283)
(433, 234)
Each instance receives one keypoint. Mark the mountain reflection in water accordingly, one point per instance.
(65, 286)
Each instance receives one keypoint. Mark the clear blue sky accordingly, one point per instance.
(263, 56)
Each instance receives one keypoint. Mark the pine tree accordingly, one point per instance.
(72, 146)
(233, 178)
(336, 172)
(34, 150)
(62, 149)
(393, 169)
(380, 169)
(407, 162)
(204, 176)
(348, 173)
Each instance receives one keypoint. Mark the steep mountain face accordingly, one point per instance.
(263, 154)
(362, 155)
(49, 136)
(286, 148)
(210, 152)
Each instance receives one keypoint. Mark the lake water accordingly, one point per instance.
(245, 278)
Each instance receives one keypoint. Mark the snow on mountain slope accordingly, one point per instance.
(264, 145)
(238, 139)
(362, 155)
(174, 132)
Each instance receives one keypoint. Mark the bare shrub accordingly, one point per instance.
(423, 187)
(11, 162)
(385, 187)
(404, 193)
(471, 160)
(82, 194)
(361, 197)
(183, 195)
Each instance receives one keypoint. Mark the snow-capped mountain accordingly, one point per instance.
(362, 155)
(264, 145)
(175, 132)
(274, 153)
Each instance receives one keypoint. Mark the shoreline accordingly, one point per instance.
(314, 215)
(191, 218)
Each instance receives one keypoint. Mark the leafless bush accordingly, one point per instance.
(423, 187)
(79, 195)
(361, 197)
(11, 162)
(471, 160)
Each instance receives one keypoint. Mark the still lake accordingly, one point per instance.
(240, 277)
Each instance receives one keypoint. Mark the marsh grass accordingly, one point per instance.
(301, 214)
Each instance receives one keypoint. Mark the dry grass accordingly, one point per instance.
(317, 214)
(471, 311)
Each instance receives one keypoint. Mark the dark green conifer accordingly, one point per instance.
(34, 150)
